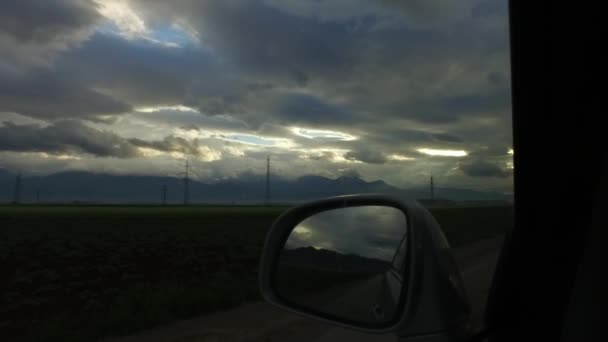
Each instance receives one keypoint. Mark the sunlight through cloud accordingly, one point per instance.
(256, 140)
(302, 230)
(178, 108)
(443, 153)
(124, 21)
(399, 157)
(334, 155)
(129, 24)
(62, 156)
(322, 134)
(149, 152)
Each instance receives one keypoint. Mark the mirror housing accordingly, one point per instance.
(433, 301)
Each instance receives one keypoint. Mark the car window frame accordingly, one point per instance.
(557, 218)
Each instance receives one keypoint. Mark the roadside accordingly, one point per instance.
(262, 322)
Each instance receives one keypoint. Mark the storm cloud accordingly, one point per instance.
(327, 230)
(33, 32)
(72, 138)
(480, 168)
(64, 137)
(367, 155)
(48, 96)
(177, 144)
(322, 86)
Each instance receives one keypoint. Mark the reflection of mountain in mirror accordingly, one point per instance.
(367, 231)
(340, 262)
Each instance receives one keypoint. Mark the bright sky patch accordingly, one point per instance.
(178, 108)
(256, 140)
(127, 22)
(124, 21)
(443, 153)
(399, 157)
(302, 230)
(322, 134)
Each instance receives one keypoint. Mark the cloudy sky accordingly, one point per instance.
(326, 230)
(385, 89)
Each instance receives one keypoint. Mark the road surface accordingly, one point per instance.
(352, 299)
(261, 322)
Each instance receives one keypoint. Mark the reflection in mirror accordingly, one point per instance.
(347, 263)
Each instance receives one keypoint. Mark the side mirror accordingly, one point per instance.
(367, 262)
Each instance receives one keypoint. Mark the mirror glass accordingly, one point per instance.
(347, 263)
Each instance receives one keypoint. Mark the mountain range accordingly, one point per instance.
(88, 187)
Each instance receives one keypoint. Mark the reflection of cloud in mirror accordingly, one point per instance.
(301, 230)
(303, 236)
(368, 231)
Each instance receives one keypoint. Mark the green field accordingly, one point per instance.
(78, 273)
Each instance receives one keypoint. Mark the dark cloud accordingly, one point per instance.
(308, 109)
(393, 139)
(398, 75)
(446, 137)
(144, 73)
(74, 137)
(191, 120)
(488, 8)
(258, 43)
(175, 144)
(32, 35)
(41, 21)
(452, 108)
(429, 13)
(477, 103)
(490, 151)
(322, 156)
(481, 168)
(367, 155)
(47, 95)
(169, 144)
(64, 137)
(497, 78)
(260, 38)
(32, 32)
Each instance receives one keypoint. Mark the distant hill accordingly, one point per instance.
(90, 187)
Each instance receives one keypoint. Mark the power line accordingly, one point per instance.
(17, 193)
(185, 180)
(187, 183)
(193, 171)
(267, 195)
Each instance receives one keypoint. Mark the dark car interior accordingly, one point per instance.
(548, 280)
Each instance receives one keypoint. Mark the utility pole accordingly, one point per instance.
(164, 194)
(432, 189)
(267, 196)
(17, 194)
(187, 183)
